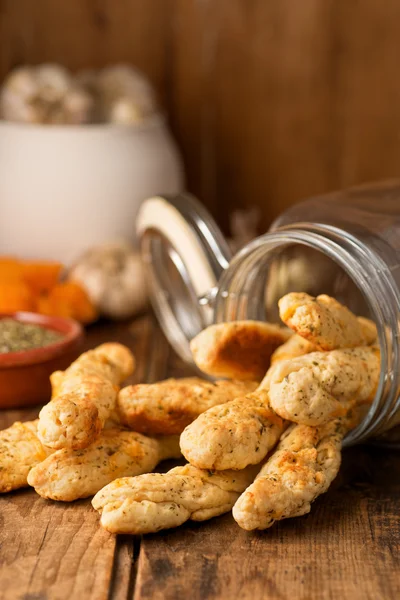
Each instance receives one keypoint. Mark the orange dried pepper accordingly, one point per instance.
(41, 276)
(16, 296)
(55, 307)
(71, 297)
(10, 269)
(34, 286)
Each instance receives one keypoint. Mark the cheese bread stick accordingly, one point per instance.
(325, 322)
(233, 435)
(67, 475)
(301, 468)
(148, 503)
(85, 396)
(237, 350)
(20, 450)
(294, 347)
(316, 387)
(169, 406)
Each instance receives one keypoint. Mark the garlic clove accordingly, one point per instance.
(113, 276)
(53, 81)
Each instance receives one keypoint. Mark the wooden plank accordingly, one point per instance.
(276, 101)
(57, 551)
(8, 417)
(85, 34)
(347, 548)
(367, 109)
(252, 101)
(276, 142)
(52, 550)
(125, 568)
(192, 88)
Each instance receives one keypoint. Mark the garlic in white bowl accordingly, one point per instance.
(125, 96)
(87, 180)
(46, 94)
(113, 277)
(50, 94)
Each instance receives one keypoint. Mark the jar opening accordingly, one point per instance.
(319, 259)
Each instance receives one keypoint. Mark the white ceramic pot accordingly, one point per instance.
(65, 188)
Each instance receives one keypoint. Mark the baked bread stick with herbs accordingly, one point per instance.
(294, 347)
(320, 386)
(20, 450)
(149, 503)
(169, 406)
(85, 396)
(234, 435)
(238, 349)
(325, 322)
(67, 475)
(301, 468)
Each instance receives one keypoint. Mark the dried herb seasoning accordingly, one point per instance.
(16, 336)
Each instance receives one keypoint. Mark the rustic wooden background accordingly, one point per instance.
(270, 100)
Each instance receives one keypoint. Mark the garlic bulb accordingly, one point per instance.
(125, 96)
(53, 82)
(77, 106)
(44, 94)
(113, 277)
(18, 91)
(50, 94)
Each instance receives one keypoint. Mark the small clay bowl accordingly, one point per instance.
(24, 376)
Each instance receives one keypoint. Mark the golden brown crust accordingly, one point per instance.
(301, 468)
(237, 350)
(320, 386)
(368, 331)
(325, 322)
(67, 474)
(148, 503)
(234, 435)
(294, 347)
(121, 356)
(84, 396)
(167, 407)
(56, 380)
(74, 419)
(20, 450)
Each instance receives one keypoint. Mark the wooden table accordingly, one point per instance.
(347, 548)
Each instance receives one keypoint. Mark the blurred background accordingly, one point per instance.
(270, 101)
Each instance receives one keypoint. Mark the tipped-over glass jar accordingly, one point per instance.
(345, 244)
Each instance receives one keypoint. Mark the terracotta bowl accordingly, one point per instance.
(24, 376)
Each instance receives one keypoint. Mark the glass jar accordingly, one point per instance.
(345, 244)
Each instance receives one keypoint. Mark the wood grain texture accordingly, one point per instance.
(263, 108)
(271, 102)
(348, 547)
(276, 101)
(51, 550)
(57, 551)
(82, 34)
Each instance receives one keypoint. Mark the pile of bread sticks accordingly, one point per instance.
(264, 442)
